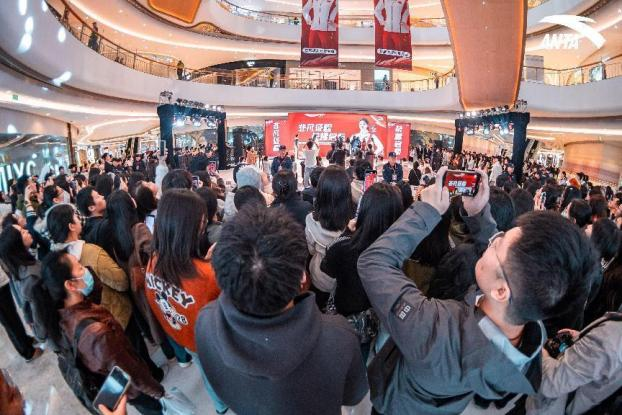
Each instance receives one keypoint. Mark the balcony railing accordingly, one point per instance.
(271, 77)
(584, 74)
(294, 18)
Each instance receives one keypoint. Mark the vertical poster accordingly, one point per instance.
(319, 43)
(276, 134)
(392, 34)
(399, 139)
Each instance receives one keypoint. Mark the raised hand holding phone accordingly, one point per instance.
(436, 195)
(121, 408)
(474, 205)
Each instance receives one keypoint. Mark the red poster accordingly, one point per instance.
(276, 134)
(356, 131)
(319, 43)
(392, 34)
(399, 139)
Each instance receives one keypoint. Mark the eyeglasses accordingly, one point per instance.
(491, 244)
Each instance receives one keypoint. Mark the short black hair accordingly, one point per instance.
(104, 185)
(284, 185)
(549, 268)
(501, 209)
(84, 200)
(248, 195)
(314, 177)
(58, 220)
(600, 208)
(360, 168)
(581, 212)
(523, 201)
(259, 260)
(333, 206)
(177, 179)
(606, 238)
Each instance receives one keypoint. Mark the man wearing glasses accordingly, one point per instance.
(487, 347)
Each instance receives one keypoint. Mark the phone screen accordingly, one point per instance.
(211, 168)
(370, 179)
(162, 147)
(195, 181)
(112, 390)
(461, 183)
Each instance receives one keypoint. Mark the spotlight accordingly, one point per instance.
(505, 131)
(196, 122)
(486, 130)
(461, 115)
(179, 122)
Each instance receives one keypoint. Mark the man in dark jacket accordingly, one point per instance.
(265, 349)
(392, 171)
(489, 346)
(507, 177)
(282, 161)
(338, 156)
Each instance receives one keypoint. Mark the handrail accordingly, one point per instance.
(294, 19)
(273, 79)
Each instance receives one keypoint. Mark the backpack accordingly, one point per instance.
(83, 383)
(380, 372)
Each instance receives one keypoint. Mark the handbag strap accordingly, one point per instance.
(82, 326)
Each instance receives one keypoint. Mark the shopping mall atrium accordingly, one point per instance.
(113, 96)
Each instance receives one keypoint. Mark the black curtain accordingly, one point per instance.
(458, 137)
(166, 113)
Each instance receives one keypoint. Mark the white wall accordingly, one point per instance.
(26, 123)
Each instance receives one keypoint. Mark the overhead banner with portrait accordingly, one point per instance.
(367, 132)
(319, 43)
(392, 34)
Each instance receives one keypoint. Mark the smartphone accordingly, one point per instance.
(162, 147)
(112, 390)
(370, 179)
(462, 183)
(195, 182)
(211, 168)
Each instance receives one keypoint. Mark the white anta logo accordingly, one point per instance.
(570, 40)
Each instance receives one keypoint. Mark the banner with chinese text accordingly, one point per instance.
(319, 42)
(392, 34)
(399, 139)
(275, 135)
(356, 131)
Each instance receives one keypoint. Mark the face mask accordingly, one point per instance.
(89, 281)
(66, 197)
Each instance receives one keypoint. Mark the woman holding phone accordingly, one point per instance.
(76, 326)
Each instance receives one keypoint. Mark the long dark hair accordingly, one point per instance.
(284, 186)
(333, 202)
(211, 202)
(381, 205)
(146, 202)
(13, 253)
(49, 293)
(122, 216)
(176, 236)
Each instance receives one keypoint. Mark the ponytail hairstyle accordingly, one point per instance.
(49, 293)
(284, 186)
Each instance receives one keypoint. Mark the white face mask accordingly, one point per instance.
(66, 197)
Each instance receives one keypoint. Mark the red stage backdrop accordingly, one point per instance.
(357, 129)
(392, 34)
(399, 139)
(319, 43)
(276, 133)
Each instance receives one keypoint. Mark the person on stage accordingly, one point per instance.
(364, 138)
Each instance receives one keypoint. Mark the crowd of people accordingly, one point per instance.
(304, 299)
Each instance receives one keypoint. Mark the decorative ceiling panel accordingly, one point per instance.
(184, 10)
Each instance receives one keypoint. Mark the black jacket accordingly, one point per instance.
(297, 362)
(414, 177)
(340, 263)
(298, 208)
(388, 171)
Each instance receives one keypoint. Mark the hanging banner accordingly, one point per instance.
(319, 43)
(355, 131)
(392, 34)
(276, 134)
(399, 139)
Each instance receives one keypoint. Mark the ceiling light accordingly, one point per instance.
(10, 129)
(61, 35)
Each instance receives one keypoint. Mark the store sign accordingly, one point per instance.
(568, 41)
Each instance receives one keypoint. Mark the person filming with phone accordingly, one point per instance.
(445, 353)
